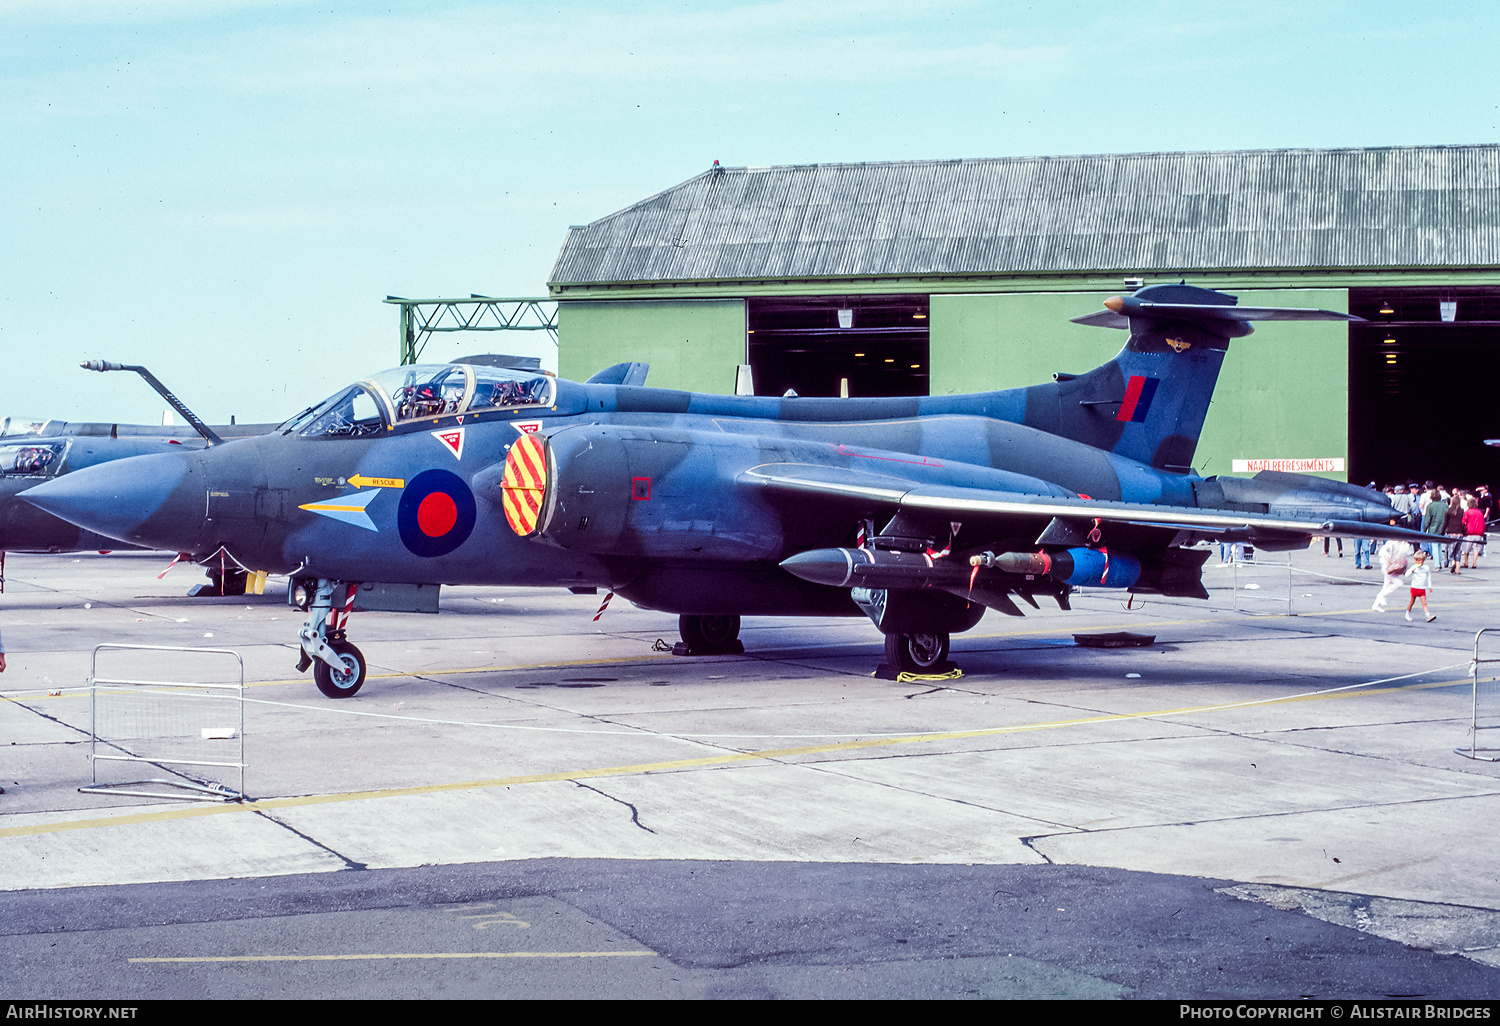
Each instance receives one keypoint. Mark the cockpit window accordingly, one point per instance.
(298, 420)
(424, 390)
(440, 390)
(353, 413)
(498, 387)
(418, 392)
(23, 426)
(31, 460)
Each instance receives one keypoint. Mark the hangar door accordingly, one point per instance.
(1423, 376)
(822, 345)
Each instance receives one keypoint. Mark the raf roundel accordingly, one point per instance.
(436, 514)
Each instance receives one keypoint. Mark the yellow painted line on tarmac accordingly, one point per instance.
(729, 758)
(367, 958)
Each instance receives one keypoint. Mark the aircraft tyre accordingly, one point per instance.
(710, 634)
(916, 653)
(336, 684)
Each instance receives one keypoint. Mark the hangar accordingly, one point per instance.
(944, 276)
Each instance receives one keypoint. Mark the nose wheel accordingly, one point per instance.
(340, 683)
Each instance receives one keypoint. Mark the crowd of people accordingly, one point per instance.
(1463, 516)
(1435, 509)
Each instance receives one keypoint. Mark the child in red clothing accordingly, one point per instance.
(1421, 584)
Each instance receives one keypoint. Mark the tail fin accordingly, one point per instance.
(1149, 402)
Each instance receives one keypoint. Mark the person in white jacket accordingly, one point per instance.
(1394, 557)
(1421, 584)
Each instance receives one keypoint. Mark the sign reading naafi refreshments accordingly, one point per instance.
(1323, 465)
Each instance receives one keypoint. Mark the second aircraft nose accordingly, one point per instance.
(144, 500)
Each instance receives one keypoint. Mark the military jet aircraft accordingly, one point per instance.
(917, 512)
(35, 450)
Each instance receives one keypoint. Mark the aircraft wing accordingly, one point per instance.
(840, 486)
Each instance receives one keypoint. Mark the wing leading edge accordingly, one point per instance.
(975, 505)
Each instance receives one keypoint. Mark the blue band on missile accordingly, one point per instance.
(436, 514)
(1102, 569)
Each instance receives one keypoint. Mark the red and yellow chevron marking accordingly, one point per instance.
(525, 483)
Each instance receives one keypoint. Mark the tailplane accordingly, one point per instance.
(1149, 402)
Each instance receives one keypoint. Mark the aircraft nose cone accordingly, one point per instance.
(115, 499)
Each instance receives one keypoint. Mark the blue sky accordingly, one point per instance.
(225, 191)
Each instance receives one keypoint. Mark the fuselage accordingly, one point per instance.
(654, 476)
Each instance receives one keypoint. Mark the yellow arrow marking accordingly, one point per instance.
(360, 481)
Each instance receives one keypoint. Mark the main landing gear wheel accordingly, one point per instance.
(916, 653)
(341, 683)
(710, 635)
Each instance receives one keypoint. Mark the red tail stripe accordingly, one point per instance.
(1132, 396)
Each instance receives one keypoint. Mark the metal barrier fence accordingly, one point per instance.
(1263, 585)
(1491, 701)
(175, 726)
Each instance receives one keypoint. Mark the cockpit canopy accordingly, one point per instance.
(23, 426)
(420, 392)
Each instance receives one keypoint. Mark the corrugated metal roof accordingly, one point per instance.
(1401, 207)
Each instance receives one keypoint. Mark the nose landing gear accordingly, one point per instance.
(338, 667)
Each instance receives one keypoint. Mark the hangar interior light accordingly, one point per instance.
(813, 343)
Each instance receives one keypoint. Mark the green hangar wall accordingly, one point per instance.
(1283, 390)
(692, 344)
(935, 277)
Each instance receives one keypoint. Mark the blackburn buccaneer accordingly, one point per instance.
(36, 450)
(919, 513)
